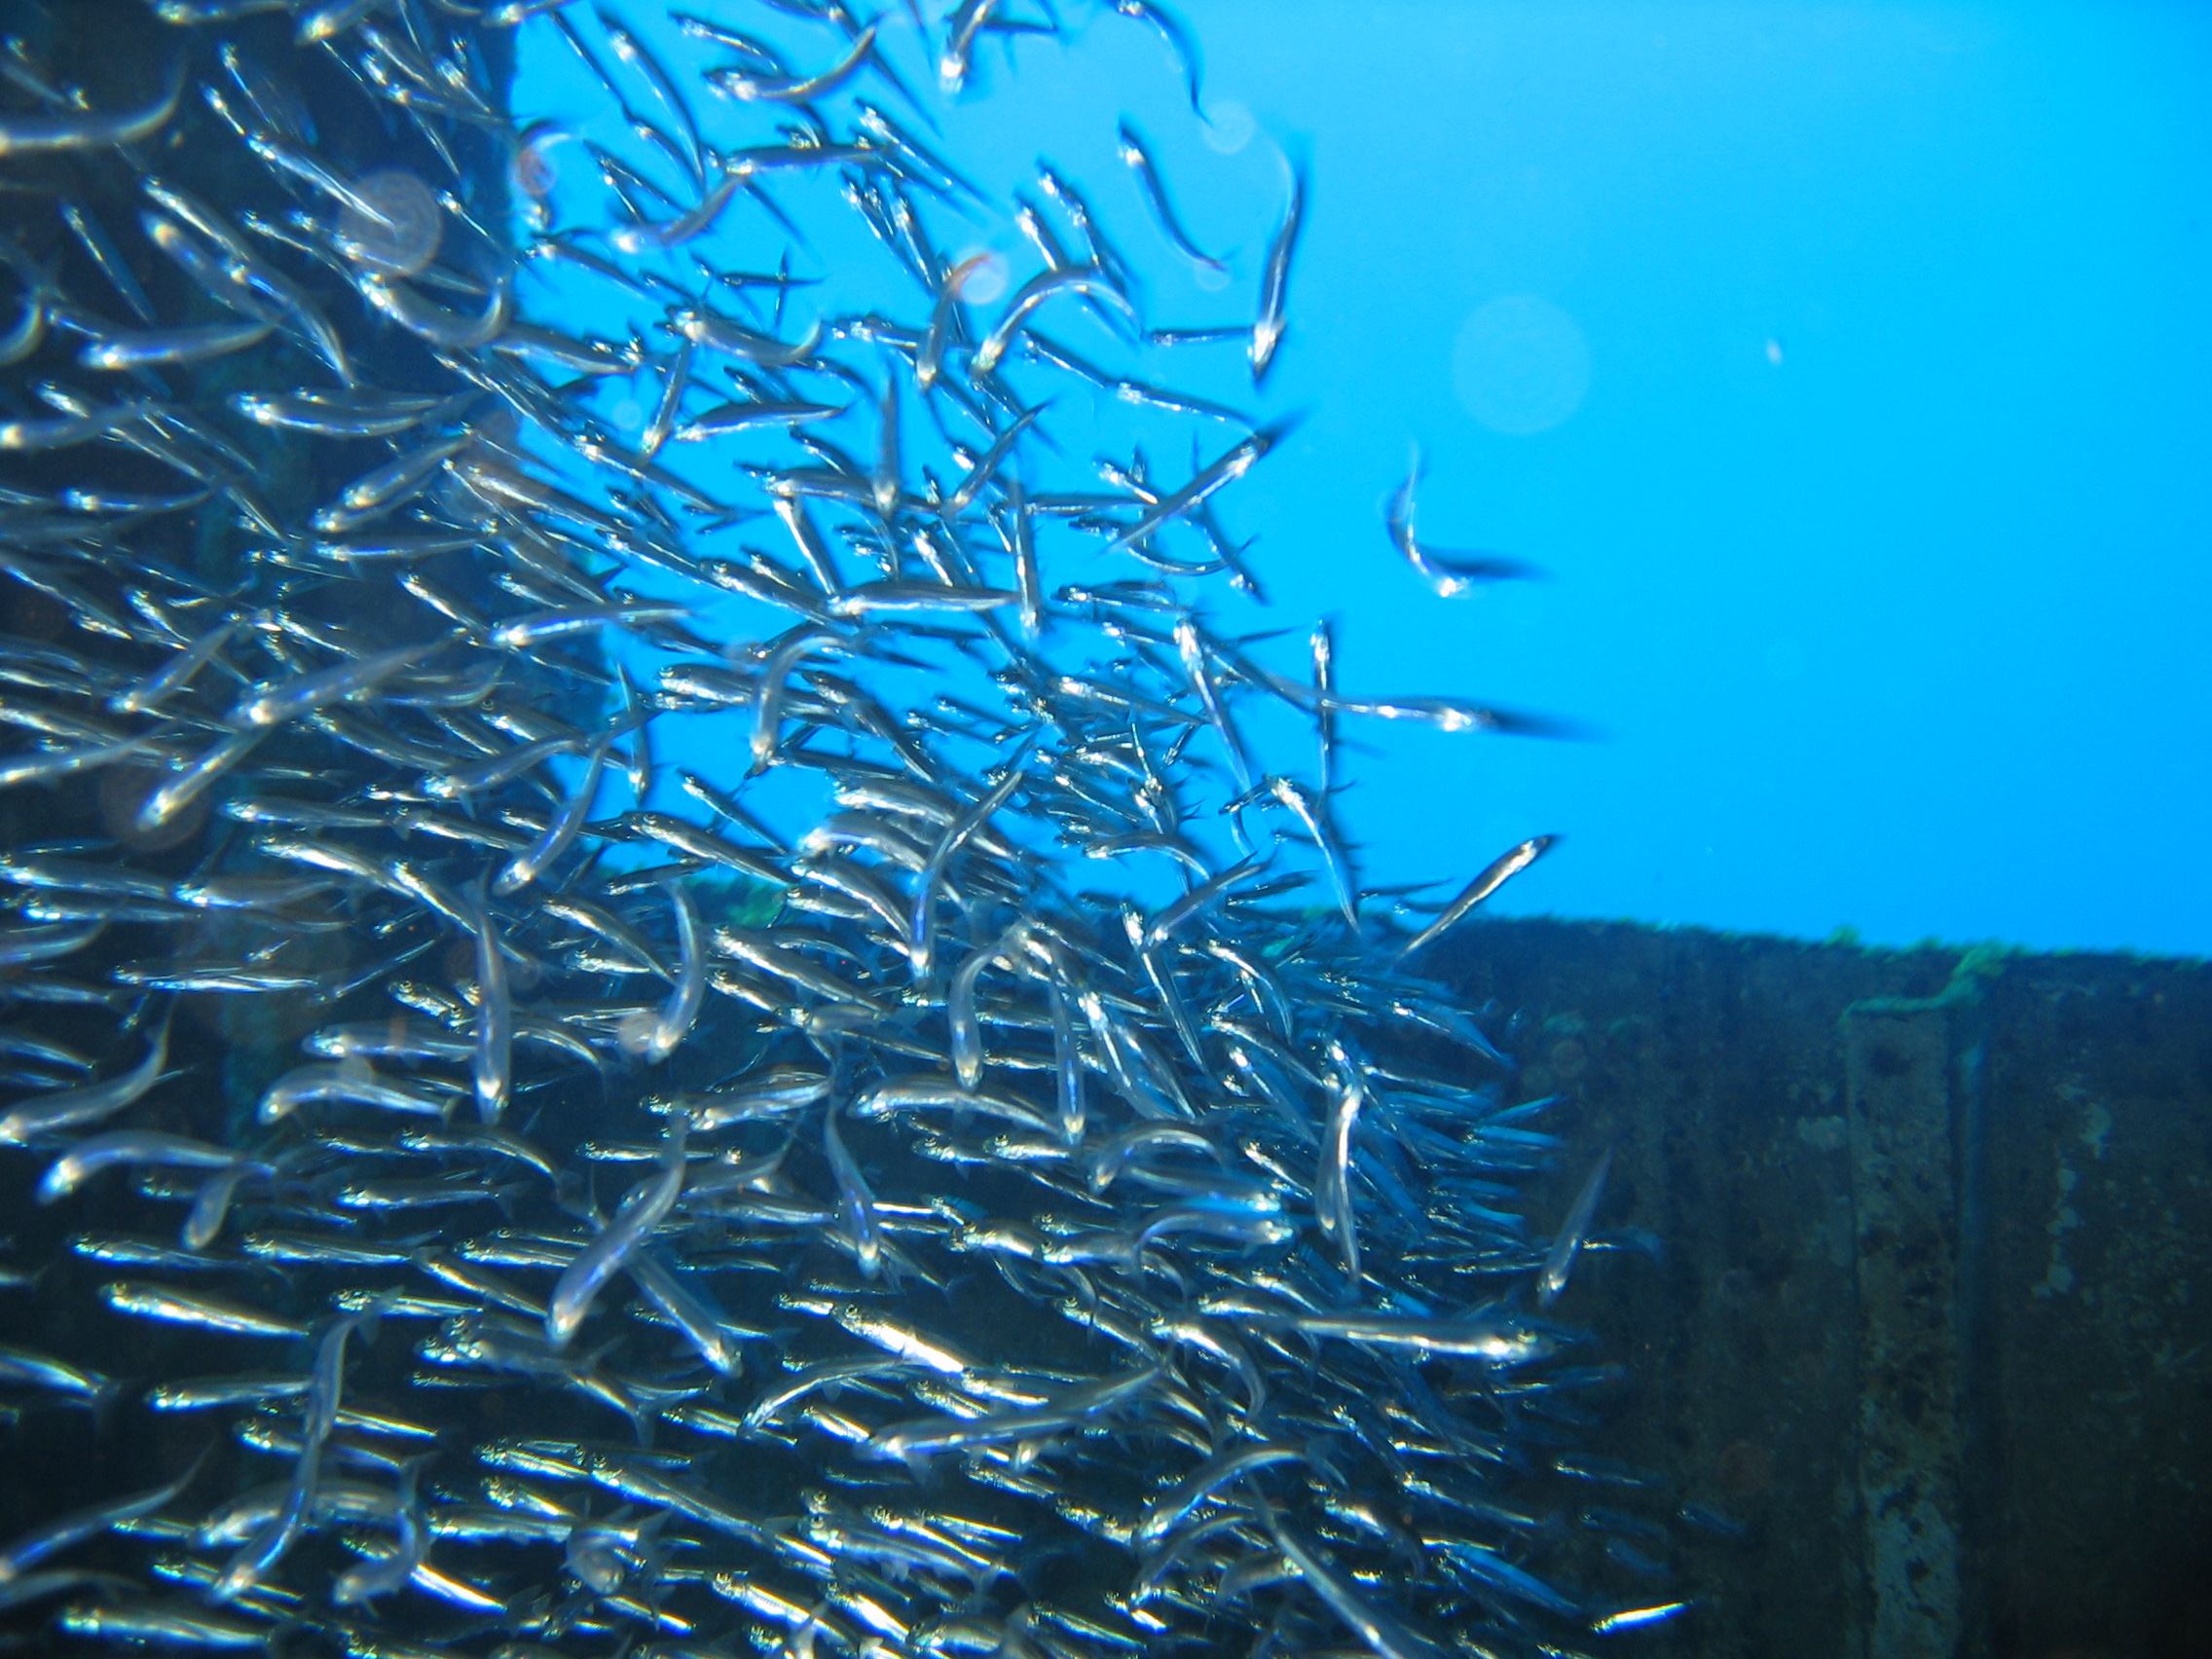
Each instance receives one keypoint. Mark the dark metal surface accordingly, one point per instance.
(1936, 1253)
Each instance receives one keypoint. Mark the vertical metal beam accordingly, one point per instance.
(1905, 1198)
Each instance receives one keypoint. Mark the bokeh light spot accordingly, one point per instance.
(981, 276)
(405, 238)
(1229, 128)
(1520, 365)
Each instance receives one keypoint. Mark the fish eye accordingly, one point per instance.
(403, 235)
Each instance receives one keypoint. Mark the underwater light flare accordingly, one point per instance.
(411, 228)
(980, 277)
(1520, 365)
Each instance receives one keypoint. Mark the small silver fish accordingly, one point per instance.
(1333, 1205)
(1269, 327)
(674, 1018)
(751, 86)
(855, 1203)
(1449, 574)
(1138, 158)
(1378, 1631)
(164, 346)
(189, 1307)
(1495, 874)
(279, 701)
(131, 1147)
(22, 1367)
(1091, 280)
(643, 1209)
(31, 1121)
(24, 134)
(73, 1528)
(1559, 1261)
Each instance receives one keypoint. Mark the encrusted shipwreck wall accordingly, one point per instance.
(1912, 1277)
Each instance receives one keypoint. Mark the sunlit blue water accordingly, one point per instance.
(1841, 367)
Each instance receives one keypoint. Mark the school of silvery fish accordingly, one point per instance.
(790, 1213)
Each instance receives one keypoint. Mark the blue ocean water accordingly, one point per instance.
(1838, 364)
